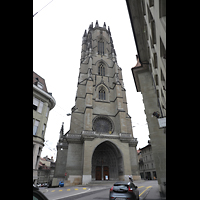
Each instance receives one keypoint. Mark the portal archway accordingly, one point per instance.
(107, 161)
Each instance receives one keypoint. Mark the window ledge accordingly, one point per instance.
(100, 100)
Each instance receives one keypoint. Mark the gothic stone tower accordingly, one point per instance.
(100, 141)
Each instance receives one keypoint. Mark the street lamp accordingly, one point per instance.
(156, 114)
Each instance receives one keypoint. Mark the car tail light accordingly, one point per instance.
(130, 189)
(111, 189)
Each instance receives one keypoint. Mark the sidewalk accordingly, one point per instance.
(154, 194)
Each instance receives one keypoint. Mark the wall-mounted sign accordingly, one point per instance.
(162, 122)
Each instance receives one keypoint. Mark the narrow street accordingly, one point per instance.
(147, 190)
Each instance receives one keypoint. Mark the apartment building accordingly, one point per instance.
(146, 163)
(148, 21)
(43, 102)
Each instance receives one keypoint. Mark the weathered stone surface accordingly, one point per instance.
(100, 139)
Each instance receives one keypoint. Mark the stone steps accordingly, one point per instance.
(102, 182)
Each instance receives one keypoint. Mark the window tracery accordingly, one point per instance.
(101, 70)
(102, 94)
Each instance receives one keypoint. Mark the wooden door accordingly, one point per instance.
(98, 172)
(105, 172)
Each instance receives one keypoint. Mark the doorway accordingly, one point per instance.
(107, 161)
(98, 172)
(105, 172)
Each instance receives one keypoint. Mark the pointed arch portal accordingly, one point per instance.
(107, 161)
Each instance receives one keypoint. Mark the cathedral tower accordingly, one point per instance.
(100, 143)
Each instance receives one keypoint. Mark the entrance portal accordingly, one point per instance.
(106, 172)
(107, 161)
(98, 173)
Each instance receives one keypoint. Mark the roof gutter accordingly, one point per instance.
(48, 96)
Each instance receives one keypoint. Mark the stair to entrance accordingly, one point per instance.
(104, 182)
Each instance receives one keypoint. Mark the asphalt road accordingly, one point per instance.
(95, 191)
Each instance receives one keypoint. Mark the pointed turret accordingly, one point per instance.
(97, 24)
(91, 26)
(109, 30)
(62, 130)
(85, 33)
(104, 25)
(84, 45)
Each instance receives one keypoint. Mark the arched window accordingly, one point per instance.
(101, 47)
(102, 94)
(101, 70)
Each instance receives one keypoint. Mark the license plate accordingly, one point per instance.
(120, 199)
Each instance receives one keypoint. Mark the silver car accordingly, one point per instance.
(122, 190)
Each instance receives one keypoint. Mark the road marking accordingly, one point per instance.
(68, 189)
(84, 188)
(140, 186)
(76, 189)
(53, 191)
(72, 194)
(145, 190)
(60, 190)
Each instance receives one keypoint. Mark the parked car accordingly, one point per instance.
(37, 195)
(45, 185)
(124, 190)
(61, 184)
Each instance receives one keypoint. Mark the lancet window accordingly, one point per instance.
(102, 94)
(101, 70)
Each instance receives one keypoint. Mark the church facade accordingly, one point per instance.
(100, 143)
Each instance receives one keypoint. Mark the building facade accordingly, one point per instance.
(148, 21)
(43, 102)
(46, 170)
(100, 142)
(146, 163)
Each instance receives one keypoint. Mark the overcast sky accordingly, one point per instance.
(57, 39)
